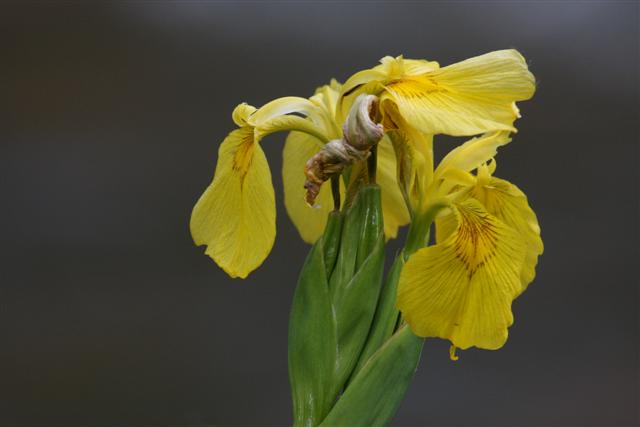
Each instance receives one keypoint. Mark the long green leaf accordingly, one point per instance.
(374, 395)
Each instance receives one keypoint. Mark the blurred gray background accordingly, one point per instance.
(111, 118)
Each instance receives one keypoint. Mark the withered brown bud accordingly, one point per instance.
(361, 133)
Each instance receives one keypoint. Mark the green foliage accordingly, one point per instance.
(333, 347)
(312, 336)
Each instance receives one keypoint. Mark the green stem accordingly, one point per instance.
(418, 235)
(335, 191)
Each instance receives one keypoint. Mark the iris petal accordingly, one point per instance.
(461, 289)
(235, 216)
(466, 98)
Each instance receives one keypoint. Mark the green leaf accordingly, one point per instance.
(312, 335)
(374, 395)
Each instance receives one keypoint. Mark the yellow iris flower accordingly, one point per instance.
(488, 238)
(488, 243)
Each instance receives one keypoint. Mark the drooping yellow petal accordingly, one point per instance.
(235, 216)
(509, 204)
(394, 209)
(310, 221)
(503, 200)
(471, 97)
(461, 289)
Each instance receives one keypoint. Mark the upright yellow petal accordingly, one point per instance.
(473, 153)
(235, 216)
(454, 167)
(310, 221)
(462, 288)
(471, 97)
(394, 209)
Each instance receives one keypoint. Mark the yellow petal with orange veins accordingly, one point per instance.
(310, 221)
(235, 216)
(461, 289)
(510, 205)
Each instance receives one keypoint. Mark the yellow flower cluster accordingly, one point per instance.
(487, 236)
